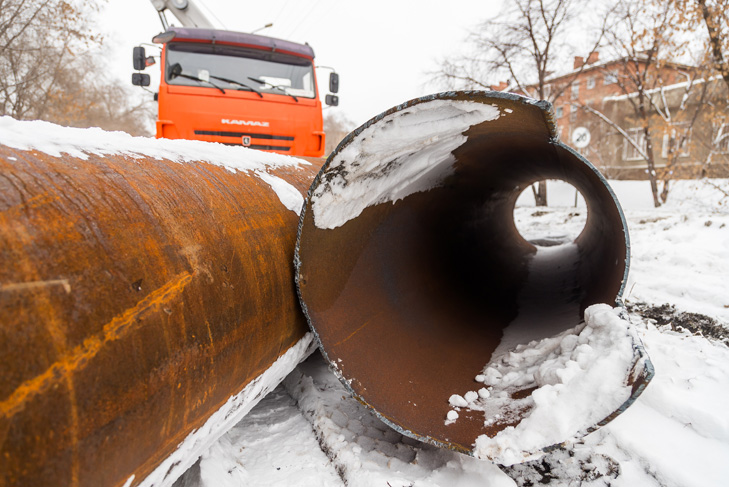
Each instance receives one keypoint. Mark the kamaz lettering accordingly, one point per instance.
(249, 123)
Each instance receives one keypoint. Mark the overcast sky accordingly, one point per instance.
(381, 49)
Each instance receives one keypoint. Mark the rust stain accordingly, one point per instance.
(117, 328)
(58, 338)
(75, 461)
(31, 285)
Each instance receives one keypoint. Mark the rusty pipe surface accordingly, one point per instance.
(137, 294)
(410, 268)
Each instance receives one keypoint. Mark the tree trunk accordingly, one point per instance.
(664, 192)
(650, 162)
(540, 195)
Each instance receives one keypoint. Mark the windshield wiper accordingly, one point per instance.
(234, 82)
(176, 71)
(278, 87)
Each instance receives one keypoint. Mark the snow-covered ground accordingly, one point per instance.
(309, 432)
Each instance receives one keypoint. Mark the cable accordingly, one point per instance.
(286, 3)
(210, 11)
(303, 19)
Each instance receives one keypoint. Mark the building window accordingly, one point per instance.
(573, 113)
(610, 78)
(559, 112)
(590, 83)
(630, 153)
(722, 139)
(674, 136)
(575, 90)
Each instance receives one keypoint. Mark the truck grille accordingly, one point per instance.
(239, 135)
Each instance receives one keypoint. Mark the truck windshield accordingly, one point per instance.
(275, 73)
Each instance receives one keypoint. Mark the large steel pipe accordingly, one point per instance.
(137, 295)
(410, 267)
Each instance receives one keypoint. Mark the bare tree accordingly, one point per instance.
(646, 35)
(38, 40)
(525, 45)
(52, 68)
(85, 96)
(716, 19)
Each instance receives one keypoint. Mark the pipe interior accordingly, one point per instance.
(422, 292)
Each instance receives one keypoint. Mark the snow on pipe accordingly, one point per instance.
(417, 283)
(143, 284)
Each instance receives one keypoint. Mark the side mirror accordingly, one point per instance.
(332, 100)
(139, 58)
(149, 61)
(334, 82)
(140, 79)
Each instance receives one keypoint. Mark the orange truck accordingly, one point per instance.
(235, 88)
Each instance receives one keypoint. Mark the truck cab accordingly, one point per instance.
(240, 89)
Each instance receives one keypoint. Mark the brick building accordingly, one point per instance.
(605, 87)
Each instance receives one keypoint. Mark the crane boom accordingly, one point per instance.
(186, 11)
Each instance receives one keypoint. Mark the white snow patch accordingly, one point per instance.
(55, 140)
(237, 406)
(580, 379)
(287, 193)
(407, 152)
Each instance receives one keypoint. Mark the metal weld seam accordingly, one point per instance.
(117, 328)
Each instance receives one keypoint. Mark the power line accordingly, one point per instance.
(286, 3)
(303, 19)
(212, 13)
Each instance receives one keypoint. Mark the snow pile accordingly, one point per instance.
(55, 140)
(365, 451)
(406, 152)
(675, 434)
(578, 377)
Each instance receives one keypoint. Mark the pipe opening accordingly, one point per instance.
(560, 222)
(413, 293)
